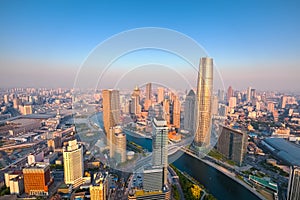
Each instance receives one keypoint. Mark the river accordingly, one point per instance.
(218, 184)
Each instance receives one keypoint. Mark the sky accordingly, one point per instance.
(253, 43)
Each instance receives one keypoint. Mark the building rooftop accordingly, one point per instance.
(285, 150)
(159, 121)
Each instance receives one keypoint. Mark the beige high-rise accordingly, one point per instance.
(204, 98)
(73, 163)
(176, 112)
(111, 109)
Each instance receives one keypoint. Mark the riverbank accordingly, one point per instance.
(225, 172)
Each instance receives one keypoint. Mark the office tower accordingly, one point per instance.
(160, 145)
(294, 184)
(27, 110)
(232, 144)
(98, 192)
(232, 102)
(153, 179)
(204, 94)
(190, 112)
(135, 102)
(166, 111)
(248, 94)
(271, 107)
(73, 163)
(283, 101)
(37, 179)
(160, 94)
(176, 107)
(215, 105)
(111, 109)
(229, 93)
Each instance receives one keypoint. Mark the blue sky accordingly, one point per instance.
(253, 43)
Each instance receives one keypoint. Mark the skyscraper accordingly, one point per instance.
(166, 111)
(148, 91)
(120, 147)
(283, 101)
(229, 93)
(73, 163)
(135, 102)
(160, 94)
(148, 99)
(232, 102)
(248, 94)
(189, 112)
(294, 184)
(233, 144)
(204, 95)
(176, 107)
(111, 109)
(160, 145)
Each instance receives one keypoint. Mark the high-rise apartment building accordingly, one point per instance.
(232, 102)
(204, 98)
(148, 99)
(135, 102)
(37, 179)
(148, 91)
(271, 107)
(283, 101)
(232, 144)
(294, 184)
(166, 111)
(190, 112)
(160, 94)
(111, 109)
(176, 107)
(73, 163)
(248, 95)
(215, 105)
(27, 110)
(229, 93)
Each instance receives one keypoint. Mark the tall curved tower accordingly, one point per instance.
(204, 98)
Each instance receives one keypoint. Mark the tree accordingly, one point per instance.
(196, 191)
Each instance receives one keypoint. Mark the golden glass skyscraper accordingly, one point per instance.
(204, 95)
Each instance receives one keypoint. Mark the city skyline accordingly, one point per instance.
(44, 36)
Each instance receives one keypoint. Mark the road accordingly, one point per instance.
(176, 182)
